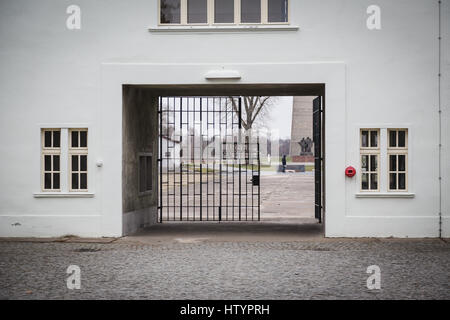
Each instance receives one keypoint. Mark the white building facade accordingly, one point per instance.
(385, 66)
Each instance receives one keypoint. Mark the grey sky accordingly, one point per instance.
(280, 116)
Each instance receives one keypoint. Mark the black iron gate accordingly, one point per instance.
(317, 137)
(209, 168)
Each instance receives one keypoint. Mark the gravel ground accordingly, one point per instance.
(327, 269)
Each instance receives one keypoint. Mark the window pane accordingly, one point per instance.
(251, 11)
(74, 163)
(48, 163)
(83, 139)
(83, 181)
(48, 181)
(365, 163)
(142, 174)
(74, 139)
(149, 174)
(170, 11)
(56, 139)
(365, 181)
(393, 181)
(402, 163)
(365, 139)
(56, 181)
(373, 139)
(392, 138)
(197, 11)
(402, 181)
(373, 163)
(224, 11)
(83, 163)
(278, 10)
(47, 139)
(75, 181)
(55, 163)
(392, 163)
(401, 139)
(374, 181)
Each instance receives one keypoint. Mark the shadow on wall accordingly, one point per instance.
(139, 159)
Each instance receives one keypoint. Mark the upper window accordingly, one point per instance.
(370, 154)
(210, 12)
(78, 155)
(370, 138)
(398, 159)
(51, 159)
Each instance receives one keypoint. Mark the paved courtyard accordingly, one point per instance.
(287, 197)
(266, 263)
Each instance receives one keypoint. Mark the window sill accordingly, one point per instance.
(63, 195)
(238, 28)
(406, 195)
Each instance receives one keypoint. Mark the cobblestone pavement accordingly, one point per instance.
(323, 269)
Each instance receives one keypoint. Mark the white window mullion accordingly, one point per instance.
(64, 169)
(210, 12)
(383, 165)
(237, 11)
(264, 11)
(184, 12)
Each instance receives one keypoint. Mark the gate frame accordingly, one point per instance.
(258, 76)
(255, 172)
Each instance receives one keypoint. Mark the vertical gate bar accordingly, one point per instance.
(193, 154)
(187, 160)
(214, 158)
(247, 160)
(220, 159)
(207, 160)
(167, 163)
(174, 169)
(160, 163)
(240, 154)
(201, 165)
(253, 190)
(234, 162)
(181, 162)
(259, 182)
(227, 161)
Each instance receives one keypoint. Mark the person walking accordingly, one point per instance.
(283, 162)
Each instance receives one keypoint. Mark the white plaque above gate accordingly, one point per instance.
(223, 74)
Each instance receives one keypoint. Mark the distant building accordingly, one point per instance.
(302, 127)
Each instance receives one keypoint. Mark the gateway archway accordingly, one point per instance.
(203, 174)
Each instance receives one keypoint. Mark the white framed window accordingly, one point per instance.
(370, 159)
(78, 160)
(397, 160)
(216, 12)
(145, 173)
(51, 159)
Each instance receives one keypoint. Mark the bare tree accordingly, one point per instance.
(254, 109)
